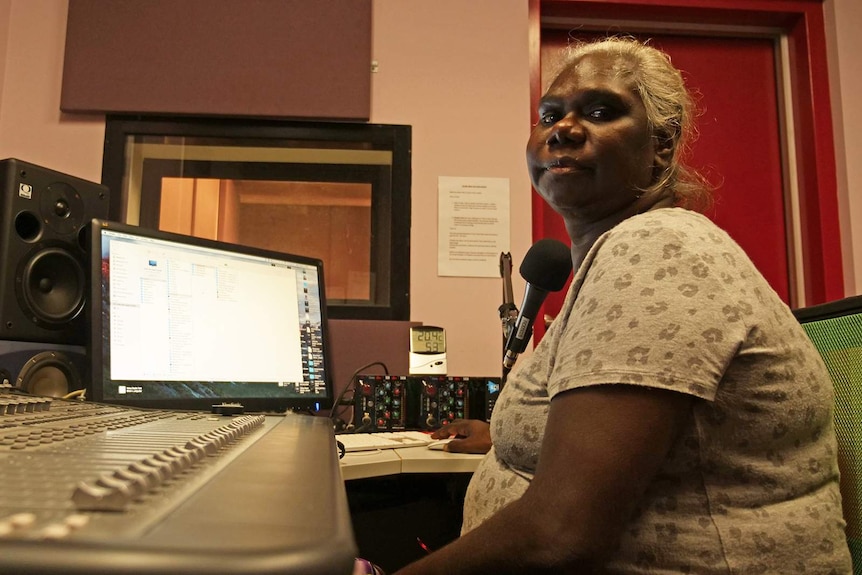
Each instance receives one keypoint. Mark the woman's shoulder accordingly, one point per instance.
(671, 223)
(682, 218)
(671, 234)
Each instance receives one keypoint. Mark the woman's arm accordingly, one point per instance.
(602, 447)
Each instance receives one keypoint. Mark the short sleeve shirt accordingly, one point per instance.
(668, 300)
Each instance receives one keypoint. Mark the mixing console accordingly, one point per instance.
(93, 488)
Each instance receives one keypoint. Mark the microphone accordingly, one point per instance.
(546, 267)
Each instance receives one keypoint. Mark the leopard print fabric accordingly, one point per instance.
(668, 300)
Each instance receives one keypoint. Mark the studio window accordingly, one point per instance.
(335, 191)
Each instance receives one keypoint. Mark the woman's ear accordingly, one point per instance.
(664, 149)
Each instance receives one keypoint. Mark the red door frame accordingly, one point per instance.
(802, 22)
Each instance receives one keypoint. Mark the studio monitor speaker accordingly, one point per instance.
(43, 256)
(42, 369)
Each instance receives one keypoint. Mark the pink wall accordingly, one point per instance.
(458, 72)
(32, 128)
(843, 18)
(5, 9)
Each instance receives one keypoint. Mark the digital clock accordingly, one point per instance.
(427, 350)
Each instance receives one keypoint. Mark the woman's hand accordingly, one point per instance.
(471, 436)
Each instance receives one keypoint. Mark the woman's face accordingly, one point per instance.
(592, 148)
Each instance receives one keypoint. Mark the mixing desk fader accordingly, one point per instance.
(93, 488)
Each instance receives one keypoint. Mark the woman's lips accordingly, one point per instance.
(565, 165)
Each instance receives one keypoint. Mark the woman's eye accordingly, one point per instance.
(547, 118)
(601, 112)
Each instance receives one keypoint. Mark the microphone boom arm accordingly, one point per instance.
(508, 311)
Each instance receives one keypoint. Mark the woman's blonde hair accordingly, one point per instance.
(669, 106)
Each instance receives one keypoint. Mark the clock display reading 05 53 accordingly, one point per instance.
(427, 339)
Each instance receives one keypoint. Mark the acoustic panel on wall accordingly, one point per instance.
(354, 344)
(262, 58)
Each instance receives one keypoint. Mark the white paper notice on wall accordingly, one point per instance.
(473, 225)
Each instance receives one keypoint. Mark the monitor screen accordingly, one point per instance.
(181, 322)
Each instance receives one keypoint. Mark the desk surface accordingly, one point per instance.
(363, 464)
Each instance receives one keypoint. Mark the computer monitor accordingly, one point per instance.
(181, 322)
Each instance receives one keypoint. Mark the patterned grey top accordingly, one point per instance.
(668, 300)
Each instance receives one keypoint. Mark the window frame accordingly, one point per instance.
(391, 204)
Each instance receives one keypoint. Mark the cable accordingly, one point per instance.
(364, 428)
(337, 422)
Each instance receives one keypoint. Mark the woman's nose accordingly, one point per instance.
(567, 130)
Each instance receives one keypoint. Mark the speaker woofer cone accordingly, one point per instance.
(50, 373)
(53, 286)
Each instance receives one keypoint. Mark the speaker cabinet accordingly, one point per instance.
(43, 369)
(43, 256)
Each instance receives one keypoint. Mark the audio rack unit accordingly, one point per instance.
(379, 402)
(426, 402)
(442, 400)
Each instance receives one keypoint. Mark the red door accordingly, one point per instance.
(731, 63)
(738, 147)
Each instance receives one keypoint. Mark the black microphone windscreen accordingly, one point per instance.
(547, 264)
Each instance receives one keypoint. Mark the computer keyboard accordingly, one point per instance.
(383, 440)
